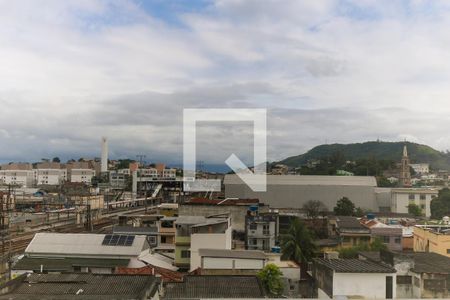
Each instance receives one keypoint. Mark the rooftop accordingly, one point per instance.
(83, 286)
(66, 264)
(347, 223)
(429, 262)
(310, 180)
(354, 265)
(223, 202)
(82, 244)
(212, 286)
(254, 254)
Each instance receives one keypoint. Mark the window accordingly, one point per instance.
(77, 269)
(253, 226)
(253, 241)
(423, 197)
(266, 230)
(163, 239)
(185, 254)
(412, 197)
(152, 240)
(448, 251)
(422, 206)
(398, 240)
(404, 279)
(385, 239)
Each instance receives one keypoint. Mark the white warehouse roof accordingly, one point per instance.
(82, 244)
(310, 180)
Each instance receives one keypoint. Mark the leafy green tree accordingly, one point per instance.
(56, 159)
(344, 207)
(440, 206)
(414, 210)
(271, 278)
(297, 244)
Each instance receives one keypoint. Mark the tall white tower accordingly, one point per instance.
(104, 162)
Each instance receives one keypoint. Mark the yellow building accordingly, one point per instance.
(432, 238)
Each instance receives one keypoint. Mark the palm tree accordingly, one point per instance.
(297, 244)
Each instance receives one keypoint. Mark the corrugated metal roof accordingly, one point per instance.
(84, 286)
(309, 180)
(354, 266)
(232, 253)
(428, 262)
(86, 244)
(67, 264)
(197, 287)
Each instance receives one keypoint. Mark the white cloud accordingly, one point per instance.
(328, 71)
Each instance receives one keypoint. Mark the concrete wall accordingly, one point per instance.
(427, 241)
(208, 241)
(400, 199)
(368, 285)
(232, 263)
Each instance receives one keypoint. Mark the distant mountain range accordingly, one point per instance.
(376, 150)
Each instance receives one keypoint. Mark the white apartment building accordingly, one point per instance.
(23, 178)
(49, 176)
(402, 197)
(169, 174)
(82, 175)
(421, 168)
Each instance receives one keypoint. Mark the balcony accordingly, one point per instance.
(182, 240)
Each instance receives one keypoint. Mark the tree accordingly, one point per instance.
(270, 277)
(414, 210)
(440, 206)
(344, 207)
(297, 244)
(313, 208)
(56, 159)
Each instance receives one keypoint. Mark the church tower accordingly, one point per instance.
(405, 175)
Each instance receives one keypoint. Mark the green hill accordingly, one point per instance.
(389, 151)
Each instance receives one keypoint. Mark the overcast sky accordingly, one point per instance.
(327, 71)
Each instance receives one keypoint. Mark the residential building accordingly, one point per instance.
(82, 286)
(22, 178)
(349, 231)
(209, 287)
(432, 238)
(81, 252)
(391, 236)
(353, 278)
(49, 176)
(402, 197)
(422, 168)
(235, 208)
(261, 231)
(81, 175)
(420, 274)
(195, 232)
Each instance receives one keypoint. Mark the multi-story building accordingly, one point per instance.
(82, 175)
(261, 231)
(402, 197)
(49, 176)
(195, 232)
(432, 238)
(348, 231)
(23, 178)
(421, 168)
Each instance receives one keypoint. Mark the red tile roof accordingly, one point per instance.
(167, 275)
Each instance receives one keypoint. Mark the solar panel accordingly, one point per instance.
(107, 239)
(129, 240)
(118, 240)
(122, 240)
